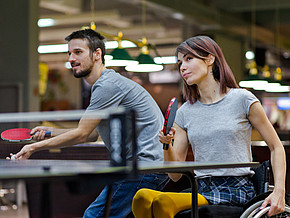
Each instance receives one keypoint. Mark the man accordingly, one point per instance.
(86, 51)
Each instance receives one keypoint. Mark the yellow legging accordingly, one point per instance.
(148, 203)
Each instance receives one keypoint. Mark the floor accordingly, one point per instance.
(20, 212)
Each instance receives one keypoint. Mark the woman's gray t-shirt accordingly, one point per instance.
(219, 132)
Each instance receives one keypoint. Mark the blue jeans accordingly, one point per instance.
(123, 193)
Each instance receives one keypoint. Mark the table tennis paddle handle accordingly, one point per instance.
(47, 134)
(165, 146)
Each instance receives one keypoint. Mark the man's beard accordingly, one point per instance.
(83, 73)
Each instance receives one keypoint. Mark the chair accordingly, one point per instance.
(251, 208)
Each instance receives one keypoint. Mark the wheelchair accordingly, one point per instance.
(252, 208)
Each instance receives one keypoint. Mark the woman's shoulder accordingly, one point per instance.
(244, 96)
(241, 92)
(185, 106)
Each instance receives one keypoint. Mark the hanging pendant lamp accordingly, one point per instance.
(120, 56)
(146, 62)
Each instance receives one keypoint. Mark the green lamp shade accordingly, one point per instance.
(121, 54)
(145, 59)
(146, 64)
(120, 58)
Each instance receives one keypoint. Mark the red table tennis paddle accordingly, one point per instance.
(169, 118)
(19, 135)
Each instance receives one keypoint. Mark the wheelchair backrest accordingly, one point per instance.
(261, 177)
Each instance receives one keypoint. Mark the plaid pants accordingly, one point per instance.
(229, 190)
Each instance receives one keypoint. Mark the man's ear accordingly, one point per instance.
(97, 54)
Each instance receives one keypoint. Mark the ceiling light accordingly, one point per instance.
(250, 55)
(178, 16)
(46, 22)
(124, 44)
(58, 48)
(43, 49)
(146, 63)
(278, 89)
(264, 86)
(165, 60)
(286, 55)
(253, 83)
(253, 80)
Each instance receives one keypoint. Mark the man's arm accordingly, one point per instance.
(39, 133)
(75, 136)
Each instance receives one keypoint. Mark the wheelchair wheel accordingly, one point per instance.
(255, 212)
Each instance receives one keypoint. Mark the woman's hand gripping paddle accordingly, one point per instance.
(169, 118)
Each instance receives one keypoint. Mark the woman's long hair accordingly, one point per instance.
(201, 47)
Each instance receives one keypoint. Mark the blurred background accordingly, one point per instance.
(35, 76)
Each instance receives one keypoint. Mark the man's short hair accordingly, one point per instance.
(95, 40)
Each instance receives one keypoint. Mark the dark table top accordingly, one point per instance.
(27, 169)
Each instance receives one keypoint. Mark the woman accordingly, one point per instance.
(216, 120)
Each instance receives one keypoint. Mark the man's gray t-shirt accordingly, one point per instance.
(219, 132)
(112, 90)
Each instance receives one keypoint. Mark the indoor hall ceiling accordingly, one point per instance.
(168, 22)
(238, 17)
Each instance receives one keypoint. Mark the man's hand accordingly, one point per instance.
(24, 153)
(38, 133)
(12, 157)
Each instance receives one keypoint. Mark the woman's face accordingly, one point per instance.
(192, 69)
